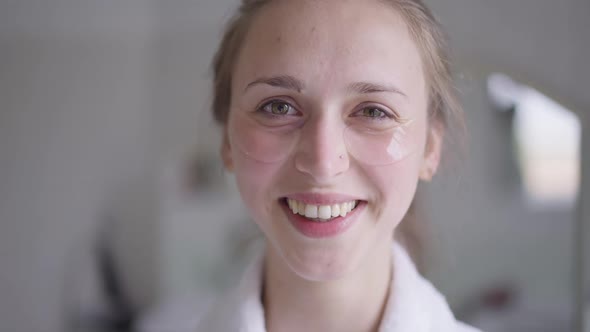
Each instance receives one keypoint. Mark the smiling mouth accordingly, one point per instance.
(320, 213)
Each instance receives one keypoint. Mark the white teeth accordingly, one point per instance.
(292, 205)
(300, 208)
(311, 211)
(343, 209)
(335, 210)
(322, 212)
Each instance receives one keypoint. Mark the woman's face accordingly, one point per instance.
(329, 114)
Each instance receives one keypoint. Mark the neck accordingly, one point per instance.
(355, 302)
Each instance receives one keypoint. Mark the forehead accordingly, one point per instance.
(331, 43)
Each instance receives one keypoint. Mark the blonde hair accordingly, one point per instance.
(428, 34)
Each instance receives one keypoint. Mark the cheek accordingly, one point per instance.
(395, 188)
(255, 183)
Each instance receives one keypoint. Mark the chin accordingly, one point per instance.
(322, 262)
(320, 268)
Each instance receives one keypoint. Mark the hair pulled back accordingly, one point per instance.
(426, 31)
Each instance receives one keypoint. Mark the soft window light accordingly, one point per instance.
(547, 142)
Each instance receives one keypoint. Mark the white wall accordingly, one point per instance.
(545, 44)
(75, 124)
(482, 233)
(96, 98)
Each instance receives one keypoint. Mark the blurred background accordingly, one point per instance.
(115, 213)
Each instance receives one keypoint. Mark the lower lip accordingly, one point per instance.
(315, 229)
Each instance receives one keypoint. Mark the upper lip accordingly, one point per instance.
(322, 198)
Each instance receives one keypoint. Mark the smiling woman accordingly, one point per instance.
(332, 111)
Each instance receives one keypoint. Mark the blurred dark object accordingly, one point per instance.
(203, 173)
(116, 313)
(501, 309)
(498, 298)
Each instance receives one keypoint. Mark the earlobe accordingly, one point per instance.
(225, 152)
(432, 152)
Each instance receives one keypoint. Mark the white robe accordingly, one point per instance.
(413, 305)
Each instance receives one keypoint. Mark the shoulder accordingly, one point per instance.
(440, 312)
(237, 310)
(415, 304)
(240, 307)
(462, 327)
(217, 317)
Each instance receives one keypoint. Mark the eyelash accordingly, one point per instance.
(263, 107)
(386, 115)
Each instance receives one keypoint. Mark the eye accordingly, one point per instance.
(279, 108)
(374, 113)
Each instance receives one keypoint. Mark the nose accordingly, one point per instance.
(321, 152)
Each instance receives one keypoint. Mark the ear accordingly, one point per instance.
(225, 152)
(432, 151)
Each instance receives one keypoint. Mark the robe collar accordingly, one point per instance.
(413, 304)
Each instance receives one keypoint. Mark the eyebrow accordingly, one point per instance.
(368, 87)
(292, 83)
(283, 81)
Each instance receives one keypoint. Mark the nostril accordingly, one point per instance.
(322, 165)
